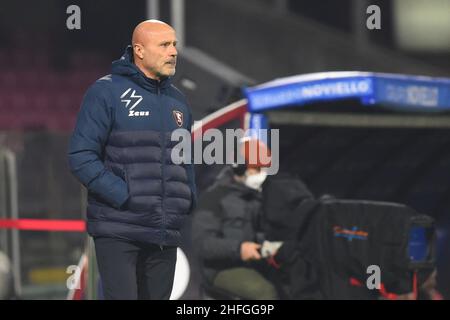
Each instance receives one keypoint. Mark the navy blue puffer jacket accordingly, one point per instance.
(121, 151)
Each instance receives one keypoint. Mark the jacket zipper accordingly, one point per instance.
(163, 161)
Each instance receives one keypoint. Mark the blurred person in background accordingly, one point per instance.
(226, 236)
(121, 151)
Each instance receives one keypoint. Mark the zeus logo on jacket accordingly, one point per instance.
(135, 98)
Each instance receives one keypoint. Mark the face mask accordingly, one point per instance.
(255, 181)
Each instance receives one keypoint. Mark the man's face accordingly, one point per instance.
(160, 54)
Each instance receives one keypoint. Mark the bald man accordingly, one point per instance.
(121, 151)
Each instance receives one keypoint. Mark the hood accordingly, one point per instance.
(125, 67)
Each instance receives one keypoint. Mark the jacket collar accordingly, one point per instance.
(225, 178)
(125, 67)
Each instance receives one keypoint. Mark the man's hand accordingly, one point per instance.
(249, 251)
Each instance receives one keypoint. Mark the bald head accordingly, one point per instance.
(154, 49)
(146, 28)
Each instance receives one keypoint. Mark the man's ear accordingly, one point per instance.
(138, 50)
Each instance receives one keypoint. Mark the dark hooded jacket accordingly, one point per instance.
(121, 151)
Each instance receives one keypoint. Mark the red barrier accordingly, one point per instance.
(44, 225)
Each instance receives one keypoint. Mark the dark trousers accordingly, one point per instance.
(131, 270)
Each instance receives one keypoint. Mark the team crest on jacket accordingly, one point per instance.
(178, 116)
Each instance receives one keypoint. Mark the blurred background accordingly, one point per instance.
(225, 45)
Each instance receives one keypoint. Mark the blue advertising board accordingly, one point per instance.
(392, 90)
